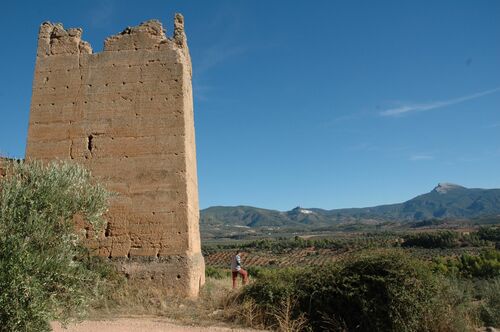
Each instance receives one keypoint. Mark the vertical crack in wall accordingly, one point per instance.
(71, 150)
(90, 144)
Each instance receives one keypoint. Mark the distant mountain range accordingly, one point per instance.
(445, 201)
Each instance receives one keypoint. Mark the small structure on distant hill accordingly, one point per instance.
(126, 113)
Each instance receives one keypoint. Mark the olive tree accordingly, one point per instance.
(45, 272)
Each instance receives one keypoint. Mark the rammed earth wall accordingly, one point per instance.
(126, 113)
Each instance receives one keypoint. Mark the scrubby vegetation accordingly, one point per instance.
(45, 274)
(488, 292)
(491, 233)
(415, 281)
(282, 245)
(451, 239)
(444, 239)
(482, 266)
(342, 297)
(386, 290)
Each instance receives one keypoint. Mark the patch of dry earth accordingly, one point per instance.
(140, 324)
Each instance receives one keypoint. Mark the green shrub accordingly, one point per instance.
(44, 271)
(382, 291)
(273, 286)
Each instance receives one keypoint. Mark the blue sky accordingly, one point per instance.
(314, 103)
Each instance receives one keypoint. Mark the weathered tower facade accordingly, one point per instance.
(126, 113)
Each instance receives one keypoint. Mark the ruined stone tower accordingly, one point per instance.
(126, 113)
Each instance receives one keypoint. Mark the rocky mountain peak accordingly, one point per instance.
(445, 187)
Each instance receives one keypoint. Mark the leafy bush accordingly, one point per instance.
(273, 287)
(386, 291)
(44, 271)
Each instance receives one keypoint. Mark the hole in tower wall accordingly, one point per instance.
(107, 231)
(90, 143)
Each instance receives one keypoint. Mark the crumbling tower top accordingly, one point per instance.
(54, 39)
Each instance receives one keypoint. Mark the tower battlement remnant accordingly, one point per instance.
(126, 113)
(3, 167)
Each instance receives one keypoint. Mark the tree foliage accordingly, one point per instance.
(442, 239)
(491, 233)
(484, 265)
(44, 270)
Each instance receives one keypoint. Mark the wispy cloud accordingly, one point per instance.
(370, 147)
(224, 45)
(419, 157)
(211, 57)
(493, 125)
(434, 105)
(218, 53)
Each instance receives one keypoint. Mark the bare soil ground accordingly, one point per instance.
(139, 324)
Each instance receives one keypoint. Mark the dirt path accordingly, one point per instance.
(139, 324)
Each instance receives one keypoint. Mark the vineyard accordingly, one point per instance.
(294, 257)
(295, 252)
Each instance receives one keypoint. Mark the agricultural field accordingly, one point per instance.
(315, 251)
(294, 257)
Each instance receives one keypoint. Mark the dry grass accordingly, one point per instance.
(244, 313)
(284, 317)
(216, 305)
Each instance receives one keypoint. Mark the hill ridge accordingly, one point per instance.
(446, 200)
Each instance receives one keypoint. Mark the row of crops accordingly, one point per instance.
(295, 257)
